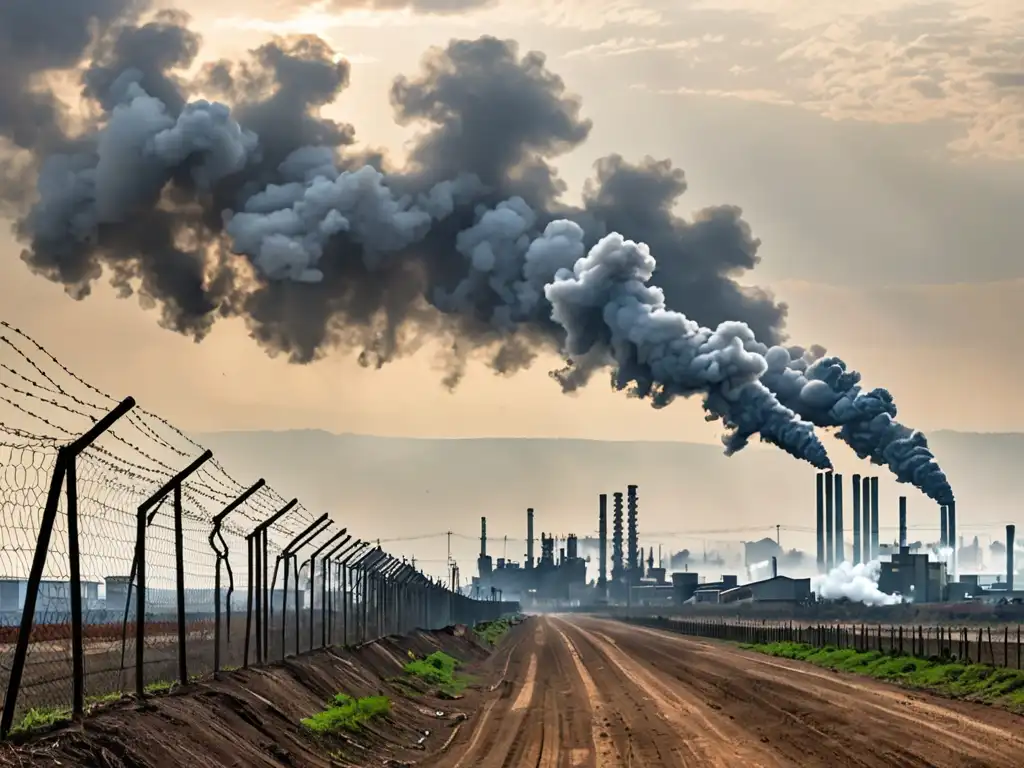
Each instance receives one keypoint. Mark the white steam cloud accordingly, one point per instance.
(858, 583)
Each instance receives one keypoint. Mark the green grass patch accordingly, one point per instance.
(39, 718)
(42, 718)
(490, 632)
(976, 682)
(159, 686)
(438, 670)
(346, 714)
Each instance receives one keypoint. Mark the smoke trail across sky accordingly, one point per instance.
(264, 211)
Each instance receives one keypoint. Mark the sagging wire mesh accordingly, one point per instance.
(44, 406)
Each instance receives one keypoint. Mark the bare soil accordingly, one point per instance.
(597, 693)
(251, 717)
(559, 692)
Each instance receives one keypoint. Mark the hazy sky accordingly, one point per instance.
(876, 147)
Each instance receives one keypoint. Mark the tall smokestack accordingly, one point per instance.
(1011, 534)
(865, 500)
(840, 536)
(951, 533)
(775, 567)
(903, 523)
(874, 515)
(943, 530)
(602, 542)
(529, 538)
(617, 539)
(483, 537)
(830, 544)
(858, 553)
(635, 566)
(820, 529)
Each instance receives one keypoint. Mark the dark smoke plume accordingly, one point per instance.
(264, 211)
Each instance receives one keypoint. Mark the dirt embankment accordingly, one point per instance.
(253, 717)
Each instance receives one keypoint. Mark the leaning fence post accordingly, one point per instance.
(222, 557)
(32, 591)
(74, 561)
(312, 577)
(142, 522)
(66, 456)
(298, 542)
(258, 538)
(248, 610)
(179, 565)
(328, 582)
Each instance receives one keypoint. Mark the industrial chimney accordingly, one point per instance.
(602, 542)
(874, 516)
(840, 536)
(857, 550)
(830, 544)
(820, 529)
(775, 567)
(1011, 534)
(943, 530)
(903, 525)
(529, 538)
(632, 547)
(865, 519)
(617, 539)
(951, 533)
(483, 563)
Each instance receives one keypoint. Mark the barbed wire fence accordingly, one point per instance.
(131, 560)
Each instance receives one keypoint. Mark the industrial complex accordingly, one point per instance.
(558, 577)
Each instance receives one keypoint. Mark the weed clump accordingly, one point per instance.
(974, 682)
(490, 632)
(345, 713)
(438, 670)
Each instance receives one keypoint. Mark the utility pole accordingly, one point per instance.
(777, 540)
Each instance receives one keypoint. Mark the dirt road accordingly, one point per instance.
(591, 693)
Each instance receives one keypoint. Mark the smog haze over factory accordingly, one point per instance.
(838, 132)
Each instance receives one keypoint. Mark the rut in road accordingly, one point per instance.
(583, 692)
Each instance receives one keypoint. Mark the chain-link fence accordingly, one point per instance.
(1001, 647)
(131, 560)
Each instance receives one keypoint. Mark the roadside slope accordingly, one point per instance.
(252, 717)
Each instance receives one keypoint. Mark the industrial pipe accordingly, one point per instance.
(830, 546)
(840, 536)
(857, 550)
(1011, 535)
(865, 500)
(820, 529)
(903, 523)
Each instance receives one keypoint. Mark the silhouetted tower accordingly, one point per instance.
(617, 565)
(632, 546)
(650, 560)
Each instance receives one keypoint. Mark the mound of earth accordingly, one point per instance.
(252, 717)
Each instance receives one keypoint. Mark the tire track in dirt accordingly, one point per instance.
(807, 716)
(606, 754)
(701, 736)
(640, 735)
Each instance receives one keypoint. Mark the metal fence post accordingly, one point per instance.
(147, 510)
(222, 558)
(308, 533)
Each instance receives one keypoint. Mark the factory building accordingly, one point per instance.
(778, 589)
(915, 577)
